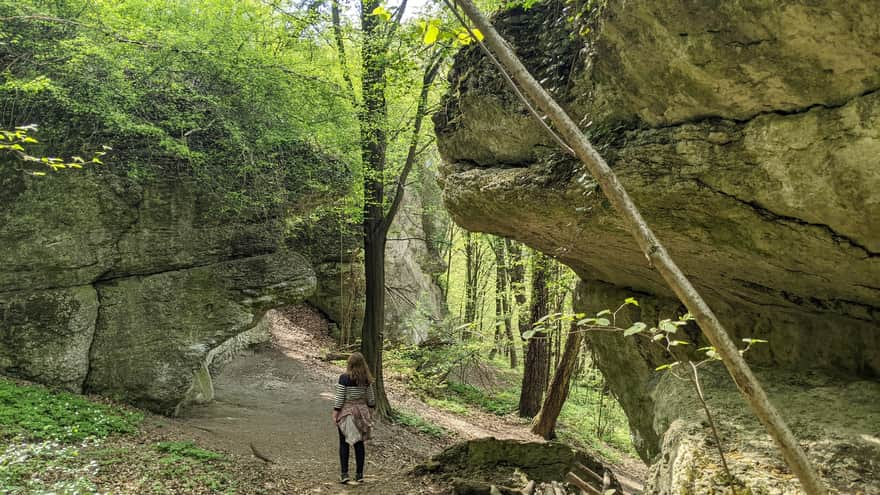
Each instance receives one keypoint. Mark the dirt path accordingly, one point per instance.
(278, 399)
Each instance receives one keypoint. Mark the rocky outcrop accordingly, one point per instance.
(496, 459)
(413, 299)
(749, 134)
(124, 288)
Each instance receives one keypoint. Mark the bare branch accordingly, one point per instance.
(431, 69)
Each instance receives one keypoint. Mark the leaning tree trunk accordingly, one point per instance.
(573, 140)
(545, 422)
(535, 373)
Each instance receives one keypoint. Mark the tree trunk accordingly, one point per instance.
(374, 314)
(502, 303)
(535, 374)
(545, 422)
(571, 135)
(470, 283)
(373, 154)
(517, 272)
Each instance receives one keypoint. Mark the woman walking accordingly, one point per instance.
(355, 398)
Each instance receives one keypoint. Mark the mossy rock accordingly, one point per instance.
(540, 461)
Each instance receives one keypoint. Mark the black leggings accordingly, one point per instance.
(359, 453)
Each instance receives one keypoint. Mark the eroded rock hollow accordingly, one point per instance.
(748, 133)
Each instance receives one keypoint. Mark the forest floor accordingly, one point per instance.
(272, 402)
(278, 401)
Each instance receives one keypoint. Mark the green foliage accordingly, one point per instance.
(16, 141)
(594, 421)
(180, 450)
(222, 91)
(448, 405)
(22, 466)
(499, 403)
(418, 423)
(34, 413)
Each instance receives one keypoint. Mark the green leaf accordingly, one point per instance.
(528, 334)
(431, 33)
(382, 12)
(631, 300)
(637, 327)
(587, 321)
(603, 322)
(665, 366)
(657, 337)
(755, 341)
(604, 312)
(667, 326)
(678, 342)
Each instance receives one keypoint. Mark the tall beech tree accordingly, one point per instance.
(503, 325)
(378, 29)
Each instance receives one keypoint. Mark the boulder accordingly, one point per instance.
(413, 299)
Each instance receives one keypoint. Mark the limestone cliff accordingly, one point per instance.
(413, 299)
(123, 288)
(748, 132)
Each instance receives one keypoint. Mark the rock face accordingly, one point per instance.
(413, 300)
(124, 288)
(748, 133)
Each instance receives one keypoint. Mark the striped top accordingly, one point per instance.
(347, 390)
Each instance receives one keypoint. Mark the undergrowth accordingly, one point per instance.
(64, 444)
(35, 413)
(419, 423)
(590, 419)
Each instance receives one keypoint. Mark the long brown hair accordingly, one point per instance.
(357, 370)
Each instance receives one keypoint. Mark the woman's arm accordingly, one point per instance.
(339, 398)
(371, 395)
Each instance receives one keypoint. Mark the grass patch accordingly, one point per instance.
(181, 450)
(419, 423)
(448, 405)
(583, 422)
(35, 413)
(499, 403)
(66, 444)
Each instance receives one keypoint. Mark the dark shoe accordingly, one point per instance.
(359, 478)
(344, 479)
